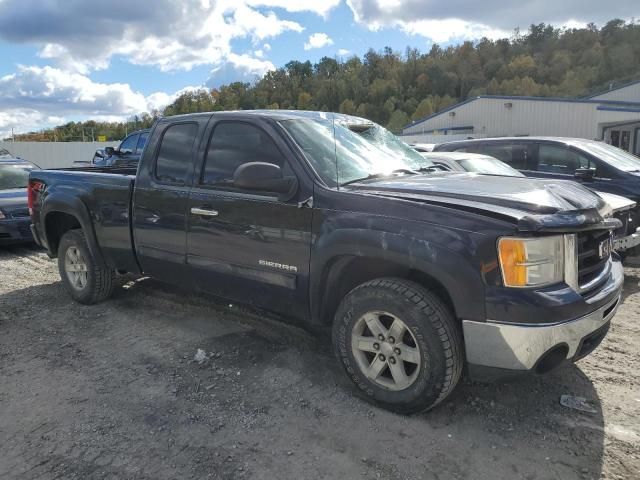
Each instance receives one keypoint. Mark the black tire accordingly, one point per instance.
(99, 278)
(433, 329)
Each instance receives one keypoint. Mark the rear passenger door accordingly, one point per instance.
(247, 245)
(161, 199)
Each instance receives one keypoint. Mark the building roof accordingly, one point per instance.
(535, 99)
(624, 85)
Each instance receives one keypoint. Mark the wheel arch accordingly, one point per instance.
(346, 272)
(62, 215)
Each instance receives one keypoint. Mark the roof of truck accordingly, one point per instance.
(284, 115)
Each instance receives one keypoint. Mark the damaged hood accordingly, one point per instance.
(535, 204)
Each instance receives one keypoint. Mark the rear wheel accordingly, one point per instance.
(86, 280)
(399, 343)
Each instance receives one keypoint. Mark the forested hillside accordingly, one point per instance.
(393, 88)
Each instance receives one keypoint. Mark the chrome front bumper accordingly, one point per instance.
(514, 346)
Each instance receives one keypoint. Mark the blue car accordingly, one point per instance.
(14, 212)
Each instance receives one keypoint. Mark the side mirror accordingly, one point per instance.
(264, 177)
(109, 151)
(585, 174)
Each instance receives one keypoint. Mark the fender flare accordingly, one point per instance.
(56, 202)
(444, 265)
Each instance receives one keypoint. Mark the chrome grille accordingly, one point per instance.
(590, 265)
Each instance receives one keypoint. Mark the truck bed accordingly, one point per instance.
(102, 196)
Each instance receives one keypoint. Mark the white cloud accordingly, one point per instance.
(35, 97)
(450, 29)
(343, 51)
(321, 8)
(469, 19)
(318, 40)
(173, 35)
(238, 68)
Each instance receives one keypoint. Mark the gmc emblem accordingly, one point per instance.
(604, 249)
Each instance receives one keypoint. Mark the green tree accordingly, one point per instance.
(348, 107)
(305, 101)
(425, 107)
(397, 121)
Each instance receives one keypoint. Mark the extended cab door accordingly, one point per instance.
(248, 245)
(161, 196)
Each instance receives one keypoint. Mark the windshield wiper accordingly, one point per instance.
(380, 175)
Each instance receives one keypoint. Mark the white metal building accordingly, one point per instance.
(612, 116)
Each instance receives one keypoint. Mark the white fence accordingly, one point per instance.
(55, 154)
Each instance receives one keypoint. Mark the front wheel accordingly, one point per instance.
(399, 343)
(86, 280)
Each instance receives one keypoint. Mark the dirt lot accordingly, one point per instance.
(112, 391)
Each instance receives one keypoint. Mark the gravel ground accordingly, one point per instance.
(112, 391)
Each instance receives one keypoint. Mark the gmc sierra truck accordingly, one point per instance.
(334, 221)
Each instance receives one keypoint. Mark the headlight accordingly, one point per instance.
(531, 262)
(2, 215)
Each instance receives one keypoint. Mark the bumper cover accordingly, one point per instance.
(15, 231)
(512, 346)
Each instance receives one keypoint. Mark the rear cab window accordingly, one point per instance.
(174, 160)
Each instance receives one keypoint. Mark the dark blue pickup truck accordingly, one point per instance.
(333, 221)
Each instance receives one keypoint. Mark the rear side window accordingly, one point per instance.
(513, 155)
(233, 144)
(142, 141)
(128, 145)
(173, 163)
(559, 159)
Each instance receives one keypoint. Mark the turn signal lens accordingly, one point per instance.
(531, 262)
(513, 256)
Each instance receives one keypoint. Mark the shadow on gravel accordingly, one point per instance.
(119, 383)
(631, 282)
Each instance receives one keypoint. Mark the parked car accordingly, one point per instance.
(622, 208)
(127, 153)
(325, 219)
(422, 147)
(471, 162)
(599, 166)
(14, 214)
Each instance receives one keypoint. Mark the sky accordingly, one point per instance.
(63, 60)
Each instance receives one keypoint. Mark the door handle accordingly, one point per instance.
(204, 212)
